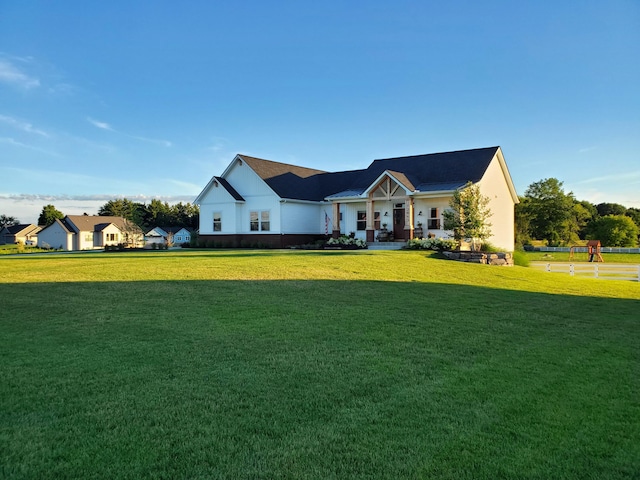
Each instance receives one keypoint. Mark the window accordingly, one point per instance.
(264, 221)
(179, 238)
(88, 237)
(217, 221)
(361, 220)
(254, 224)
(112, 237)
(376, 220)
(434, 221)
(259, 221)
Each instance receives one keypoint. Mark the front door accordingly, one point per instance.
(398, 223)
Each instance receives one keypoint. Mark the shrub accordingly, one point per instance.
(347, 241)
(520, 258)
(438, 244)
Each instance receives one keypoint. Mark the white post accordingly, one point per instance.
(548, 267)
(595, 270)
(571, 271)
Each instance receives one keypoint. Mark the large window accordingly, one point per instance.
(434, 220)
(112, 237)
(361, 223)
(259, 221)
(217, 221)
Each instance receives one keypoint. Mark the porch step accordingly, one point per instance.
(385, 245)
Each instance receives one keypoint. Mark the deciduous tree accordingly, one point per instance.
(614, 231)
(49, 215)
(468, 214)
(7, 221)
(550, 211)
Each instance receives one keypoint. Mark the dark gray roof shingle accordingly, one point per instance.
(430, 172)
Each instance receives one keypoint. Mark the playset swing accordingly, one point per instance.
(594, 251)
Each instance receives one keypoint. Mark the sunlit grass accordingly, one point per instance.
(281, 364)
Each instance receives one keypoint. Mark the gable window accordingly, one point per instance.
(434, 220)
(217, 221)
(361, 220)
(259, 221)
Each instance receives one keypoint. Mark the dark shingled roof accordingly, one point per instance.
(430, 172)
(227, 186)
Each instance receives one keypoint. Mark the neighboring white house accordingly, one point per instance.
(89, 232)
(271, 203)
(167, 235)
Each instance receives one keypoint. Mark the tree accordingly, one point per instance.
(468, 215)
(634, 214)
(614, 231)
(605, 209)
(6, 221)
(550, 211)
(49, 215)
(522, 223)
(583, 213)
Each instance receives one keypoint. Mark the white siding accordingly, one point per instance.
(303, 218)
(494, 186)
(56, 237)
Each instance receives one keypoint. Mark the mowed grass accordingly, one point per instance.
(283, 364)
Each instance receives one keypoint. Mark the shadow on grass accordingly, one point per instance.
(276, 379)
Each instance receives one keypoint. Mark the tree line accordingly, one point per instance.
(144, 215)
(546, 212)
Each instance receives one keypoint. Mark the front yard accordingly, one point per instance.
(319, 364)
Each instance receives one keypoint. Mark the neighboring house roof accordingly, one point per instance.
(95, 223)
(22, 229)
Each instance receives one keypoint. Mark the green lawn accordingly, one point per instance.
(288, 364)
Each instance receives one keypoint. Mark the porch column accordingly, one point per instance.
(408, 218)
(335, 233)
(370, 224)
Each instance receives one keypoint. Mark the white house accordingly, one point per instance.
(167, 235)
(89, 232)
(258, 201)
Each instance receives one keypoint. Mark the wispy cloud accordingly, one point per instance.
(21, 125)
(105, 126)
(12, 75)
(625, 177)
(100, 125)
(586, 149)
(15, 143)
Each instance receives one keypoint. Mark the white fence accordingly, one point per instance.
(584, 249)
(604, 271)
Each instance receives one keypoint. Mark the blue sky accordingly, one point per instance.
(145, 99)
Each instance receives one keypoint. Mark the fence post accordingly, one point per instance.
(549, 267)
(595, 270)
(639, 273)
(571, 271)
